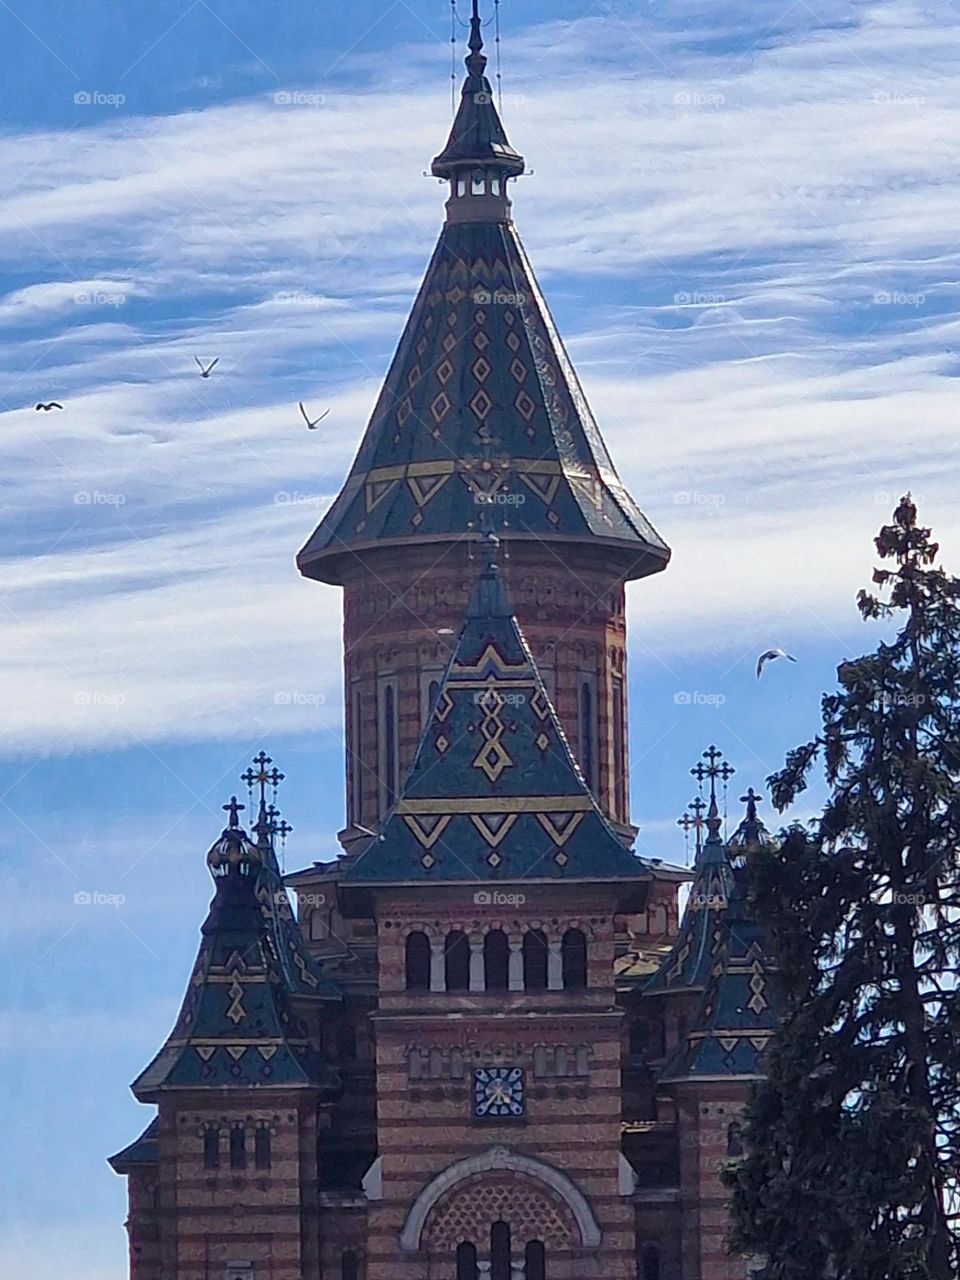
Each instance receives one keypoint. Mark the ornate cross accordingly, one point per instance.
(234, 808)
(261, 776)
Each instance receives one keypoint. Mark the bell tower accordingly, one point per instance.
(481, 423)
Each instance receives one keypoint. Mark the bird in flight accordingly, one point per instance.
(770, 656)
(206, 372)
(312, 426)
(52, 404)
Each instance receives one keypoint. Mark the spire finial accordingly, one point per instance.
(476, 62)
(234, 808)
(713, 770)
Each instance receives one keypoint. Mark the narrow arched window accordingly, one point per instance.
(346, 1042)
(536, 1260)
(478, 184)
(356, 759)
(211, 1147)
(534, 960)
(238, 1147)
(418, 962)
(261, 1147)
(735, 1139)
(574, 953)
(619, 751)
(390, 743)
(650, 1263)
(500, 1251)
(496, 960)
(349, 1270)
(466, 1261)
(457, 961)
(588, 757)
(318, 926)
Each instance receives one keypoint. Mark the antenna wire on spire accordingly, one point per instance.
(496, 9)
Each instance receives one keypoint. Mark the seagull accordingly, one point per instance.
(206, 372)
(312, 426)
(47, 407)
(770, 656)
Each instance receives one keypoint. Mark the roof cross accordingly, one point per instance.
(234, 808)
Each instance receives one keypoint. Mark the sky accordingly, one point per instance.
(744, 220)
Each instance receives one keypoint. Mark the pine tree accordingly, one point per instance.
(853, 1140)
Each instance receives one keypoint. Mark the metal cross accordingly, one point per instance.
(262, 777)
(234, 808)
(281, 828)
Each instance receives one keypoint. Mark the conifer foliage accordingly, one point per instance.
(853, 1139)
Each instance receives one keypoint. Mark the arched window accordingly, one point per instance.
(735, 1139)
(356, 759)
(211, 1147)
(561, 1061)
(436, 1064)
(238, 1147)
(415, 1064)
(496, 960)
(478, 184)
(536, 1260)
(650, 1263)
(500, 1251)
(588, 756)
(261, 1147)
(346, 1042)
(534, 960)
(349, 1269)
(619, 750)
(574, 952)
(418, 962)
(457, 961)
(318, 926)
(466, 1261)
(390, 743)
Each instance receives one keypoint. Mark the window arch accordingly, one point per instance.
(574, 952)
(496, 960)
(211, 1147)
(390, 743)
(478, 184)
(418, 962)
(650, 1263)
(261, 1147)
(588, 732)
(349, 1269)
(535, 1257)
(534, 960)
(735, 1139)
(466, 1261)
(238, 1147)
(457, 961)
(500, 1251)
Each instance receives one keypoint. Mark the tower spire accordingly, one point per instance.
(476, 60)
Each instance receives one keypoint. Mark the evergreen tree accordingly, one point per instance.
(853, 1139)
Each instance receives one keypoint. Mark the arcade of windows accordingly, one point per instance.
(501, 1265)
(240, 1150)
(496, 961)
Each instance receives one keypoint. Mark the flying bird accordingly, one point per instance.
(770, 656)
(47, 407)
(312, 426)
(206, 372)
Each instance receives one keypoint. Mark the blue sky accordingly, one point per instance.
(744, 218)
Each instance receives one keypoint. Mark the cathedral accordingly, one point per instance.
(483, 1043)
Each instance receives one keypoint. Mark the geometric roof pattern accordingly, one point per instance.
(739, 1008)
(481, 402)
(494, 792)
(237, 1026)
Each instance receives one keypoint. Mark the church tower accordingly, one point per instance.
(481, 413)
